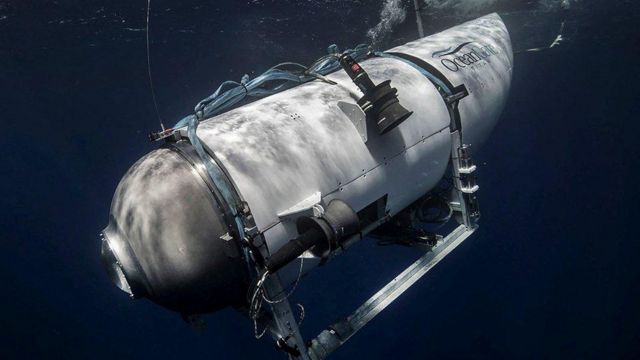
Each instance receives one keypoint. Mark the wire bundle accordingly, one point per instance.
(278, 78)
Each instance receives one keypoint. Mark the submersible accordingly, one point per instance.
(290, 180)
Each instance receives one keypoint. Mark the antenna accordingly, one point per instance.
(153, 92)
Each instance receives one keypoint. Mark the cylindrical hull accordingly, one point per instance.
(282, 149)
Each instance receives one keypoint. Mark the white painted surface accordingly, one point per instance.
(280, 149)
(487, 80)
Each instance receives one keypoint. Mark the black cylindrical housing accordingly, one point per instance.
(324, 233)
(357, 74)
(382, 103)
(379, 101)
(294, 248)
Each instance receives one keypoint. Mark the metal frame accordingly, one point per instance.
(281, 322)
(283, 326)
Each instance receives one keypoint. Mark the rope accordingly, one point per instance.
(255, 305)
(290, 292)
(259, 295)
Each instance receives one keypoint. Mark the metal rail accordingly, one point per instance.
(329, 340)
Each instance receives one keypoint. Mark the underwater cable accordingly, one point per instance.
(153, 91)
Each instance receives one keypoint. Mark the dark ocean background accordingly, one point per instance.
(553, 272)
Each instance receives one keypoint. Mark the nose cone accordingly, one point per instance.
(168, 240)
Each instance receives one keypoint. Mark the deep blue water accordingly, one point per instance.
(553, 271)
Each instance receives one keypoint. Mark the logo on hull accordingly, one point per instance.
(455, 59)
